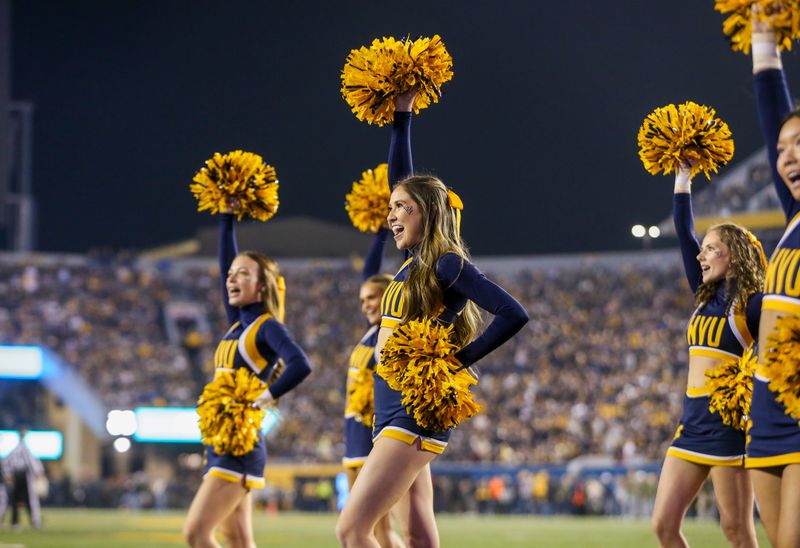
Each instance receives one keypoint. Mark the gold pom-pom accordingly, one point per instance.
(361, 396)
(784, 17)
(239, 179)
(782, 363)
(689, 132)
(228, 420)
(419, 361)
(368, 202)
(731, 387)
(372, 77)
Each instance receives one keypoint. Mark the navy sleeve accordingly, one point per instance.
(753, 314)
(401, 164)
(683, 218)
(374, 258)
(774, 103)
(275, 335)
(509, 316)
(227, 252)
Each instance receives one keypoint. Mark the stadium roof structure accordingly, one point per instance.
(289, 237)
(744, 195)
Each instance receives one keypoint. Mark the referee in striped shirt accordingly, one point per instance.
(22, 469)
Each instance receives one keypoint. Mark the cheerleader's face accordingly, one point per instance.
(242, 283)
(370, 296)
(789, 156)
(404, 219)
(714, 258)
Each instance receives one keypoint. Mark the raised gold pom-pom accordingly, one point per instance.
(689, 132)
(731, 388)
(228, 420)
(372, 77)
(361, 396)
(239, 179)
(782, 364)
(784, 17)
(368, 202)
(419, 361)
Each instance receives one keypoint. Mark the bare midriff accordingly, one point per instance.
(698, 365)
(383, 336)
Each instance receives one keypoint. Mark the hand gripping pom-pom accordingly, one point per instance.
(240, 178)
(228, 420)
(687, 133)
(783, 15)
(782, 364)
(731, 388)
(361, 396)
(368, 201)
(419, 361)
(372, 77)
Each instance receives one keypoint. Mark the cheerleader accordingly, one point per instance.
(358, 429)
(773, 450)
(726, 276)
(252, 293)
(437, 280)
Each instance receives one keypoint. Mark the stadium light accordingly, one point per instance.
(121, 422)
(638, 231)
(180, 424)
(122, 445)
(20, 362)
(654, 232)
(44, 444)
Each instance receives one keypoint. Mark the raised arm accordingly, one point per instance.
(401, 163)
(683, 218)
(509, 316)
(374, 258)
(226, 252)
(773, 100)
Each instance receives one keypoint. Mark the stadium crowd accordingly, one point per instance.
(599, 370)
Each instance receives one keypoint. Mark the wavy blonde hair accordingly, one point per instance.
(746, 267)
(268, 272)
(440, 235)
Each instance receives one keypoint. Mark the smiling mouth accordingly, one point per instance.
(234, 292)
(397, 230)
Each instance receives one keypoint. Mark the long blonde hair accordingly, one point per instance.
(268, 273)
(440, 235)
(746, 267)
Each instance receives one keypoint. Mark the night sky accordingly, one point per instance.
(536, 131)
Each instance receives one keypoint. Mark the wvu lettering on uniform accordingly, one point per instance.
(358, 436)
(782, 274)
(705, 330)
(392, 302)
(238, 348)
(361, 356)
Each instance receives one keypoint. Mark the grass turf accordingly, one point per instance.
(127, 529)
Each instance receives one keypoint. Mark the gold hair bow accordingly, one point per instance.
(458, 206)
(754, 241)
(281, 283)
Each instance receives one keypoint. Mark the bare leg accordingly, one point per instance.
(237, 528)
(679, 483)
(734, 495)
(214, 501)
(789, 524)
(391, 469)
(767, 487)
(421, 520)
(384, 534)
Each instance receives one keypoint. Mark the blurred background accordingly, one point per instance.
(109, 300)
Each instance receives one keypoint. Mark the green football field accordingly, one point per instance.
(124, 529)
